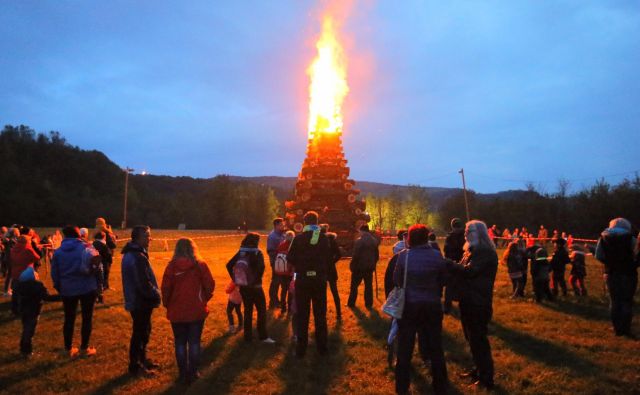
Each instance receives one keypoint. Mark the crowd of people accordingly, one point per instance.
(303, 266)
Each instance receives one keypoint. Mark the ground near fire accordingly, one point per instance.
(562, 347)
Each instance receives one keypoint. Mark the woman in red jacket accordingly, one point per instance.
(187, 286)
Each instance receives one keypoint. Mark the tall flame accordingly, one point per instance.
(328, 87)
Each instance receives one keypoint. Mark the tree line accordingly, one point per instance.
(48, 182)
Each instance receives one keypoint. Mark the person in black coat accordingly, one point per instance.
(477, 273)
(363, 265)
(32, 293)
(310, 255)
(559, 262)
(332, 275)
(252, 292)
(453, 250)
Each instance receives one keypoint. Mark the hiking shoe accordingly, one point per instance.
(269, 340)
(148, 364)
(232, 330)
(88, 352)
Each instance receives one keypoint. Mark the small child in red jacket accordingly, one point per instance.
(234, 303)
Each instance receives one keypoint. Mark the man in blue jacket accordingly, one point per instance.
(74, 280)
(141, 296)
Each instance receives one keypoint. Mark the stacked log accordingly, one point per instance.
(324, 186)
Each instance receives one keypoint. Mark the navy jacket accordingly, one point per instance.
(139, 283)
(426, 274)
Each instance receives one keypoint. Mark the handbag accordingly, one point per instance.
(394, 305)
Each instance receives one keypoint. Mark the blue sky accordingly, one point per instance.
(513, 91)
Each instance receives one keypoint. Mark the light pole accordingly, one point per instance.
(466, 201)
(127, 170)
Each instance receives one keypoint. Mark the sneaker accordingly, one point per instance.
(88, 352)
(73, 353)
(232, 330)
(269, 340)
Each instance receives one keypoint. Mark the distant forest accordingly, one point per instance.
(48, 182)
(45, 181)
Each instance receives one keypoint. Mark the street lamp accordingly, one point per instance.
(126, 170)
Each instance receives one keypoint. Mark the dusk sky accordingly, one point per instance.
(513, 91)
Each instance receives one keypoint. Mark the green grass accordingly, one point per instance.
(563, 347)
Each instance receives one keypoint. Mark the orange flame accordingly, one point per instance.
(328, 87)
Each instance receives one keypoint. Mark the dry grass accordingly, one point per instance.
(564, 347)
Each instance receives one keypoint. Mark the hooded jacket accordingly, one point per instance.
(139, 283)
(32, 292)
(615, 250)
(187, 286)
(22, 256)
(69, 276)
(454, 244)
(310, 260)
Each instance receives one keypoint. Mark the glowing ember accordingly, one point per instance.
(328, 87)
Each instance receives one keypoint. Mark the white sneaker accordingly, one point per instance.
(269, 340)
(232, 329)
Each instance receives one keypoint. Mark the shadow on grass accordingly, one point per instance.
(31, 373)
(241, 357)
(544, 351)
(589, 309)
(314, 373)
(373, 324)
(112, 386)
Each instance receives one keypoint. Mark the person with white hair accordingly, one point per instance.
(477, 273)
(617, 250)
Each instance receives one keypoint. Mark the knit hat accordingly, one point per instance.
(456, 223)
(541, 254)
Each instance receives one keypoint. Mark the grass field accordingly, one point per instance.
(562, 347)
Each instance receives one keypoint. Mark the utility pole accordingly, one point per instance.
(466, 201)
(127, 170)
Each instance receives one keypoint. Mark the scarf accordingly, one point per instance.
(316, 233)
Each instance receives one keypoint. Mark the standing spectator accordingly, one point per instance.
(478, 272)
(332, 275)
(559, 261)
(542, 236)
(75, 281)
(422, 315)
(401, 243)
(506, 236)
(512, 258)
(363, 264)
(246, 269)
(10, 241)
(433, 242)
(453, 250)
(56, 239)
(32, 292)
(578, 271)
(187, 286)
(141, 296)
(107, 257)
(283, 269)
(275, 237)
(615, 249)
(310, 254)
(540, 275)
(22, 256)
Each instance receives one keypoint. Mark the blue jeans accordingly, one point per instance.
(187, 334)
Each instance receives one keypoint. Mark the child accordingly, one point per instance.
(283, 269)
(235, 300)
(540, 275)
(578, 271)
(32, 292)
